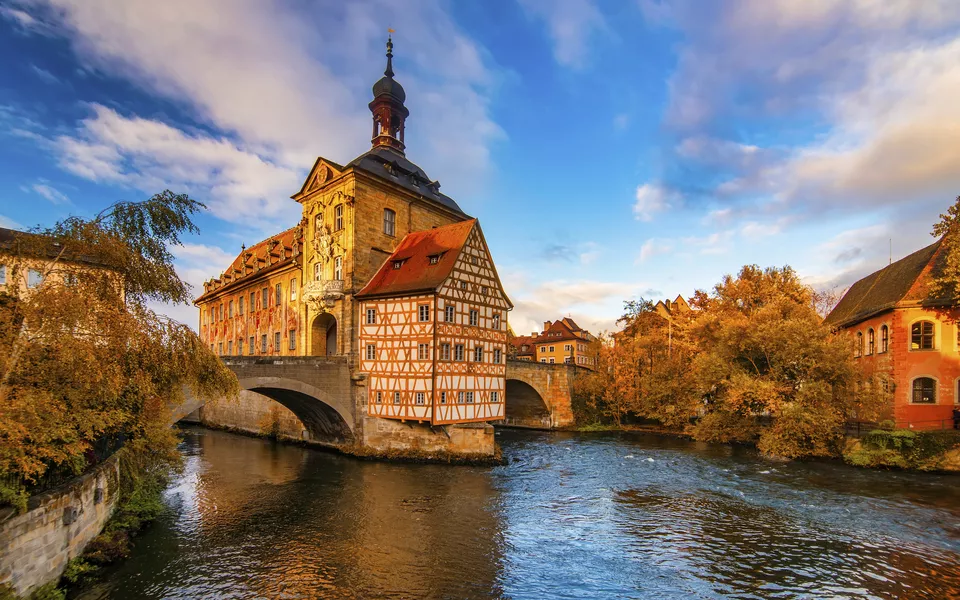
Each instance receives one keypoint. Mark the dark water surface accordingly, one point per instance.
(571, 516)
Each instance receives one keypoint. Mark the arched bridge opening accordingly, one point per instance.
(322, 420)
(525, 406)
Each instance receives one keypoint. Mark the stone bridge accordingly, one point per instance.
(329, 401)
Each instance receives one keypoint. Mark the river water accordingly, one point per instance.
(570, 516)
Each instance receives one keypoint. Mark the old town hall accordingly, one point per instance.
(384, 269)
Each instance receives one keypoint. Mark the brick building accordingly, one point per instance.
(296, 292)
(900, 329)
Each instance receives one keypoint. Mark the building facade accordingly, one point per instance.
(560, 342)
(900, 330)
(433, 338)
(300, 289)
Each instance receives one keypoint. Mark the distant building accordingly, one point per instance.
(25, 260)
(899, 329)
(560, 341)
(668, 309)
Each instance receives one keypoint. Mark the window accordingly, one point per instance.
(458, 352)
(459, 397)
(317, 272)
(397, 264)
(292, 339)
(469, 397)
(463, 285)
(924, 391)
(424, 311)
(474, 317)
(551, 348)
(220, 348)
(3, 274)
(483, 290)
(552, 361)
(858, 349)
(434, 259)
(221, 312)
(567, 360)
(240, 306)
(396, 397)
(423, 352)
(497, 355)
(240, 347)
(449, 311)
(263, 344)
(253, 301)
(443, 397)
(265, 293)
(543, 360)
(338, 268)
(371, 316)
(338, 217)
(251, 347)
(371, 351)
(494, 396)
(444, 351)
(276, 341)
(230, 309)
(379, 397)
(293, 289)
(496, 320)
(871, 342)
(567, 347)
(421, 398)
(389, 222)
(473, 260)
(478, 354)
(34, 278)
(921, 335)
(230, 348)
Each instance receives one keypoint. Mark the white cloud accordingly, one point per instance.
(50, 193)
(10, 223)
(653, 247)
(590, 253)
(572, 24)
(286, 83)
(195, 263)
(651, 199)
(150, 156)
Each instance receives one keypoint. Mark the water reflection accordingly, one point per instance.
(605, 516)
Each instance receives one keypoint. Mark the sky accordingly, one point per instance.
(612, 150)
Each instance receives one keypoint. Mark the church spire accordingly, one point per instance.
(389, 113)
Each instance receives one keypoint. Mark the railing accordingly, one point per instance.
(859, 428)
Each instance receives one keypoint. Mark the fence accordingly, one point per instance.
(858, 428)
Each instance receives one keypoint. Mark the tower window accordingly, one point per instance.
(338, 217)
(389, 222)
(338, 268)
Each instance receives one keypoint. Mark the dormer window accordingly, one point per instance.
(434, 259)
(398, 263)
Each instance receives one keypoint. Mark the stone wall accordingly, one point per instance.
(36, 546)
(395, 437)
(252, 413)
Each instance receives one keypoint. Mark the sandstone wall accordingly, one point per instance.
(252, 413)
(36, 546)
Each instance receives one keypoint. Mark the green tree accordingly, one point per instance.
(947, 279)
(84, 358)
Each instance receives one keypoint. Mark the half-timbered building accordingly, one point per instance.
(434, 329)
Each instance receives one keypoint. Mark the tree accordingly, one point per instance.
(947, 280)
(84, 358)
(769, 371)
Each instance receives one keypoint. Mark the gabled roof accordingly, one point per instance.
(520, 341)
(268, 255)
(322, 171)
(898, 284)
(559, 331)
(38, 245)
(415, 273)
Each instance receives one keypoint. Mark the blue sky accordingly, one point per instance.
(611, 149)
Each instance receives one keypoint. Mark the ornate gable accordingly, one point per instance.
(323, 171)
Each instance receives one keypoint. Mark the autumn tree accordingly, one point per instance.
(768, 370)
(83, 358)
(947, 278)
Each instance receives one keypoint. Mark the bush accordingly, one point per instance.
(903, 448)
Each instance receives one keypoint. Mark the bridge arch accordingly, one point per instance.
(525, 405)
(325, 417)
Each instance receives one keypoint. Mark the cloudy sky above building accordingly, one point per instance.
(611, 149)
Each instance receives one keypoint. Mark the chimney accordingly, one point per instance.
(546, 325)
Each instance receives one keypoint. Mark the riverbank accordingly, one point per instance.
(922, 451)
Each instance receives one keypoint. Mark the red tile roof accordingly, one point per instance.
(270, 254)
(520, 341)
(557, 332)
(416, 274)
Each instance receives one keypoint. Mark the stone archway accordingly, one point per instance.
(324, 417)
(323, 335)
(524, 406)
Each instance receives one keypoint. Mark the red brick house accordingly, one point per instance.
(899, 328)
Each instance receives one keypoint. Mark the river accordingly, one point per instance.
(570, 516)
